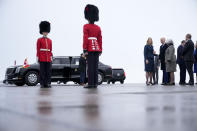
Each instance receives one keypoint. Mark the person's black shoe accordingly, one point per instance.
(95, 86)
(163, 83)
(171, 84)
(88, 87)
(151, 83)
(47, 86)
(190, 84)
(147, 83)
(41, 86)
(182, 83)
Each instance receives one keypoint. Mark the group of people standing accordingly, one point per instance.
(167, 61)
(92, 49)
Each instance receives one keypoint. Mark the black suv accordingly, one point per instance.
(64, 69)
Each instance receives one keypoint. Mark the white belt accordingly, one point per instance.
(44, 49)
(92, 38)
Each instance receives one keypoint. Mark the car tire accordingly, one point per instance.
(113, 82)
(32, 78)
(76, 83)
(19, 83)
(122, 82)
(100, 78)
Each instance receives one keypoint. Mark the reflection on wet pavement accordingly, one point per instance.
(129, 107)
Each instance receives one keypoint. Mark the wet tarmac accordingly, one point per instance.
(129, 107)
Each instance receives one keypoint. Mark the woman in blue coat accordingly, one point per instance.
(149, 60)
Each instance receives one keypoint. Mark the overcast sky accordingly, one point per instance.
(125, 24)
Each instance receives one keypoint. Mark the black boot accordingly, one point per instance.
(42, 86)
(88, 87)
(49, 85)
(190, 83)
(95, 86)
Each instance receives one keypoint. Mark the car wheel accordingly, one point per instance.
(100, 78)
(19, 83)
(113, 82)
(122, 82)
(31, 78)
(76, 81)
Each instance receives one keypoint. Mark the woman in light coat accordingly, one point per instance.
(170, 60)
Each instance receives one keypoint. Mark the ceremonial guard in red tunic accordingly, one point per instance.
(92, 44)
(44, 55)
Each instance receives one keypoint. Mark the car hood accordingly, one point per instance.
(15, 66)
(31, 65)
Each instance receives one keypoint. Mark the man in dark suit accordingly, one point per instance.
(181, 63)
(163, 48)
(188, 56)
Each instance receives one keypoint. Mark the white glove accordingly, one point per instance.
(51, 58)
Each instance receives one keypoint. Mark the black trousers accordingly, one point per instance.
(189, 67)
(93, 60)
(166, 77)
(155, 76)
(45, 73)
(82, 77)
(182, 72)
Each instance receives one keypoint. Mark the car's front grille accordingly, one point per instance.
(10, 71)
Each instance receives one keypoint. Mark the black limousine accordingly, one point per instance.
(64, 69)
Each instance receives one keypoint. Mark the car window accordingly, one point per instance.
(56, 61)
(65, 61)
(76, 61)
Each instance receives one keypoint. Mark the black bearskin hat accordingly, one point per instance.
(44, 27)
(91, 13)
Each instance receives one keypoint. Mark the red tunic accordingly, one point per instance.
(92, 38)
(44, 49)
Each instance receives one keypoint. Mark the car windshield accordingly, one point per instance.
(56, 61)
(100, 63)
